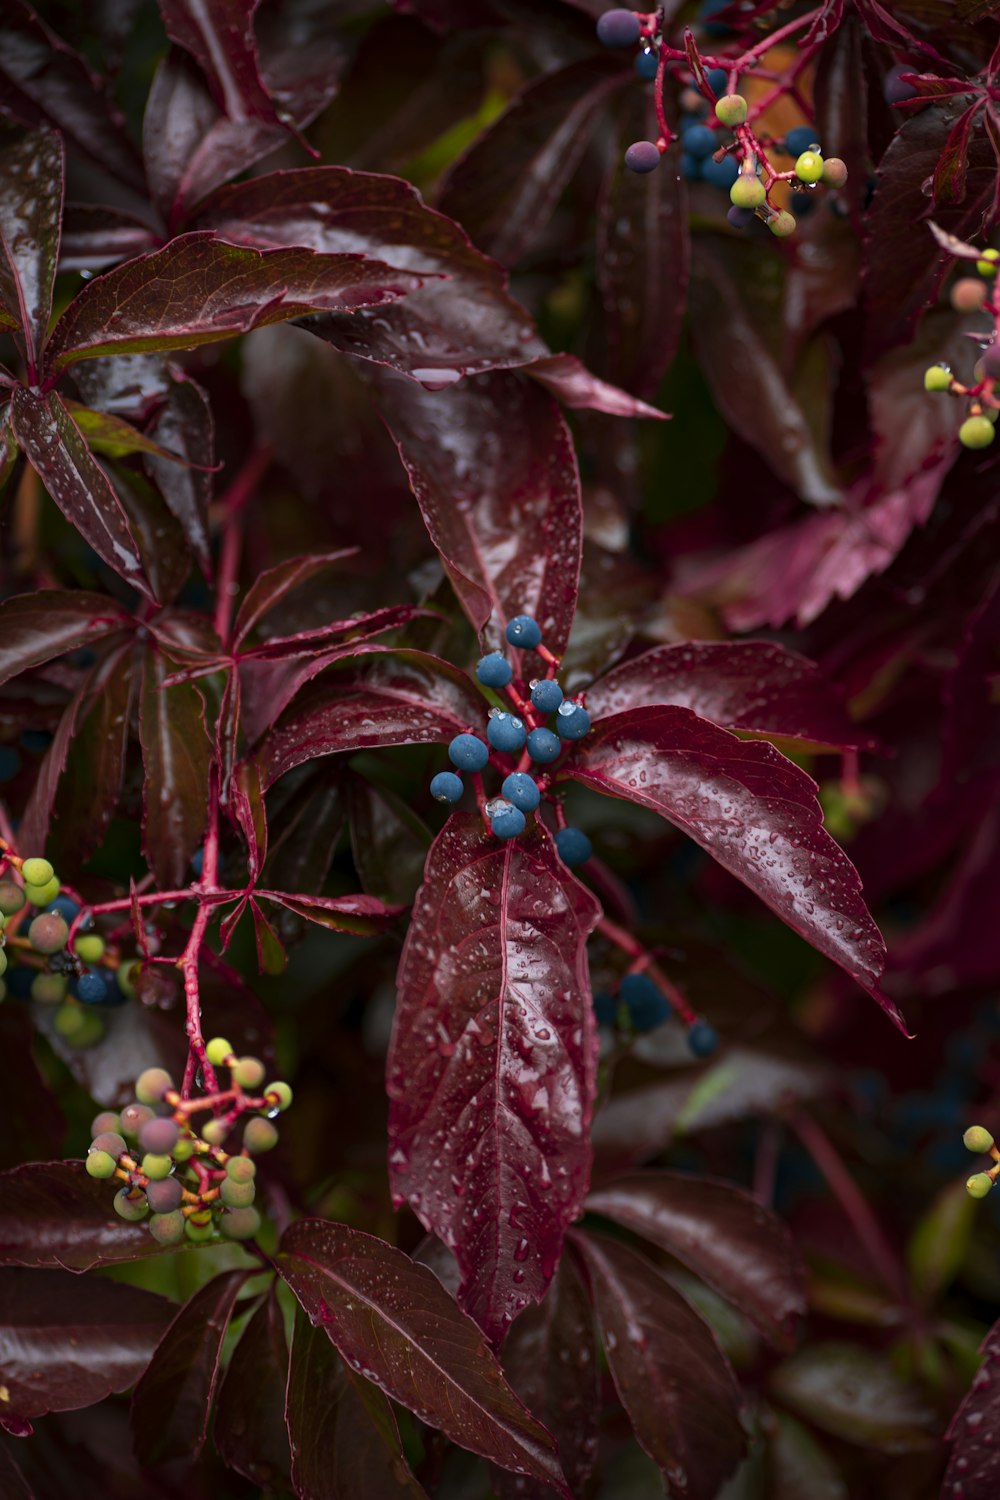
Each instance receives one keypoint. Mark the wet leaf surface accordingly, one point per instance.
(250, 1415)
(53, 1215)
(855, 1394)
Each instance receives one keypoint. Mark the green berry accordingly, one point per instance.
(89, 947)
(979, 1185)
(241, 1169)
(237, 1194)
(782, 224)
(248, 1072)
(70, 1021)
(48, 933)
(239, 1223)
(259, 1135)
(37, 871)
(152, 1084)
(184, 1150)
(49, 989)
(156, 1167)
(3, 961)
(834, 172)
(130, 1208)
(42, 895)
(278, 1094)
(987, 265)
(199, 1228)
(937, 378)
(976, 432)
(747, 192)
(217, 1050)
(126, 975)
(731, 110)
(3, 985)
(100, 1164)
(167, 1229)
(11, 898)
(809, 167)
(978, 1139)
(215, 1131)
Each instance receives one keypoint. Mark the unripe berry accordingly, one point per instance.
(152, 1084)
(49, 989)
(130, 1208)
(156, 1167)
(987, 264)
(979, 1185)
(618, 28)
(215, 1131)
(809, 167)
(976, 432)
(100, 1164)
(978, 1139)
(835, 172)
(159, 1136)
(126, 975)
(217, 1050)
(236, 1194)
(37, 872)
(108, 1119)
(937, 378)
(111, 1142)
(199, 1229)
(259, 1135)
(11, 898)
(239, 1223)
(167, 1229)
(278, 1095)
(184, 1150)
(241, 1169)
(248, 1072)
(747, 192)
(782, 224)
(731, 109)
(3, 961)
(41, 895)
(164, 1196)
(89, 947)
(134, 1117)
(48, 933)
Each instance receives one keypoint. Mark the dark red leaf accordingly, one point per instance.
(361, 915)
(974, 1466)
(750, 685)
(66, 1343)
(755, 812)
(393, 1322)
(307, 815)
(185, 426)
(389, 841)
(35, 1124)
(176, 753)
(219, 35)
(573, 384)
(491, 1067)
(31, 191)
(15, 1486)
(246, 803)
(197, 290)
(172, 1402)
(672, 1379)
(95, 236)
(271, 956)
(56, 448)
(856, 1394)
(953, 163)
(343, 1433)
(314, 641)
(53, 1214)
(37, 627)
(720, 1233)
(274, 584)
(250, 1416)
(494, 472)
(159, 536)
(842, 107)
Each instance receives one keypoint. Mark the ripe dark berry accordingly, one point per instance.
(48, 933)
(646, 65)
(236, 1194)
(702, 1039)
(642, 156)
(740, 218)
(693, 169)
(720, 174)
(259, 1135)
(37, 871)
(494, 670)
(131, 1208)
(506, 732)
(991, 361)
(111, 1142)
(159, 1136)
(468, 752)
(618, 28)
(572, 720)
(546, 695)
(168, 1228)
(543, 746)
(506, 821)
(521, 790)
(606, 1009)
(11, 898)
(648, 1007)
(523, 631)
(731, 109)
(574, 846)
(700, 141)
(152, 1084)
(134, 1117)
(164, 1196)
(893, 87)
(92, 987)
(716, 80)
(446, 787)
(801, 138)
(239, 1223)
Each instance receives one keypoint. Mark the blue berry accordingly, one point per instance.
(642, 157)
(802, 203)
(522, 630)
(572, 720)
(546, 695)
(506, 732)
(699, 141)
(717, 79)
(573, 846)
(198, 862)
(648, 1007)
(446, 787)
(494, 670)
(36, 739)
(801, 138)
(646, 65)
(740, 218)
(606, 1009)
(506, 821)
(702, 1039)
(691, 168)
(543, 746)
(709, 8)
(521, 789)
(618, 28)
(91, 987)
(468, 752)
(720, 174)
(10, 762)
(66, 907)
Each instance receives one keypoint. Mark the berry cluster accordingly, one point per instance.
(978, 1139)
(178, 1178)
(523, 734)
(719, 142)
(971, 294)
(642, 1006)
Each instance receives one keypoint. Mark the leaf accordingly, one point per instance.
(31, 189)
(113, 436)
(94, 236)
(672, 1379)
(35, 1124)
(219, 36)
(343, 1433)
(491, 1066)
(749, 685)
(176, 755)
(361, 915)
(249, 1426)
(855, 1394)
(494, 473)
(573, 384)
(307, 815)
(389, 841)
(798, 1468)
(720, 1233)
(753, 811)
(40, 626)
(55, 447)
(974, 1466)
(271, 956)
(246, 803)
(274, 584)
(172, 1402)
(939, 1245)
(392, 1321)
(953, 164)
(53, 1215)
(198, 290)
(66, 1344)
(184, 424)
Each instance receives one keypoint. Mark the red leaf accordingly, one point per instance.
(491, 1067)
(246, 802)
(219, 35)
(500, 495)
(176, 754)
(974, 1467)
(393, 1322)
(720, 1233)
(271, 587)
(271, 956)
(953, 164)
(37, 627)
(53, 1214)
(389, 841)
(172, 1402)
(755, 812)
(185, 426)
(750, 685)
(250, 1416)
(94, 236)
(672, 1379)
(66, 1344)
(305, 643)
(573, 384)
(361, 915)
(36, 1125)
(197, 290)
(31, 190)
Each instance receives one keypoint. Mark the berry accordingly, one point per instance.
(522, 630)
(76, 1027)
(642, 157)
(134, 1117)
(720, 174)
(506, 732)
(809, 167)
(164, 1196)
(248, 1072)
(49, 989)
(747, 192)
(606, 1009)
(168, 1228)
(573, 846)
(740, 218)
(215, 1131)
(152, 1084)
(125, 977)
(11, 898)
(894, 89)
(108, 1119)
(716, 79)
(92, 987)
(65, 906)
(782, 224)
(3, 961)
(801, 138)
(937, 378)
(37, 871)
(835, 172)
(986, 265)
(494, 670)
(702, 1039)
(239, 1223)
(521, 790)
(700, 141)
(991, 361)
(978, 1139)
(199, 1228)
(968, 294)
(572, 720)
(110, 1141)
(731, 109)
(184, 1150)
(618, 28)
(159, 1136)
(709, 8)
(468, 752)
(979, 1185)
(130, 1208)
(100, 1164)
(648, 1007)
(693, 170)
(543, 746)
(89, 947)
(446, 787)
(976, 432)
(156, 1166)
(236, 1194)
(278, 1095)
(217, 1050)
(546, 695)
(646, 65)
(241, 1168)
(506, 821)
(41, 895)
(259, 1135)
(48, 933)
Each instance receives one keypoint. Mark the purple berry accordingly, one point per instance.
(642, 156)
(159, 1136)
(740, 218)
(618, 28)
(893, 87)
(164, 1196)
(991, 361)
